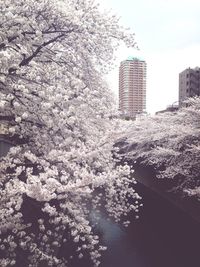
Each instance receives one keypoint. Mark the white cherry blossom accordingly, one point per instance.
(58, 110)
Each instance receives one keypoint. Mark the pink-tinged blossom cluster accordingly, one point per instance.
(170, 142)
(59, 114)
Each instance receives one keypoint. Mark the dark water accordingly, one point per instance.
(164, 236)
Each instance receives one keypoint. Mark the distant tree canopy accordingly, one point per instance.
(170, 142)
(53, 98)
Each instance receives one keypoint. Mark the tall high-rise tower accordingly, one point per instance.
(132, 87)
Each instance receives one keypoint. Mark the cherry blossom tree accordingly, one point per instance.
(170, 143)
(58, 111)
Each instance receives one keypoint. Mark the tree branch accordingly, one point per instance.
(28, 59)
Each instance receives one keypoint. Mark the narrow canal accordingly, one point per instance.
(164, 236)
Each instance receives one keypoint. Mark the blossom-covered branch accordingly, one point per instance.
(53, 99)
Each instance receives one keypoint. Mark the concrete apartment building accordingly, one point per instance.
(189, 84)
(132, 87)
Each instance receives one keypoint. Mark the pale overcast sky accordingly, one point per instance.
(168, 35)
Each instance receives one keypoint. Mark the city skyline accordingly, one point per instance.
(168, 37)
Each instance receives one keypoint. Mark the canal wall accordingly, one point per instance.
(146, 176)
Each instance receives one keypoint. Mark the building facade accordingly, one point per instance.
(189, 84)
(132, 87)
